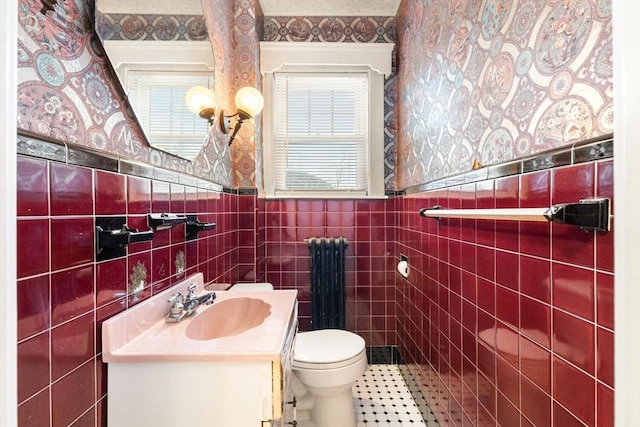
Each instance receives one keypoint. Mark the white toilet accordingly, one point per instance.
(326, 364)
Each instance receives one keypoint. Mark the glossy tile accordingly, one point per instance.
(72, 242)
(35, 411)
(160, 197)
(32, 187)
(71, 190)
(574, 340)
(138, 195)
(507, 269)
(72, 395)
(33, 306)
(605, 249)
(605, 356)
(604, 299)
(537, 404)
(574, 290)
(110, 195)
(32, 247)
(72, 344)
(535, 321)
(72, 294)
(566, 380)
(605, 406)
(535, 278)
(33, 366)
(535, 363)
(111, 280)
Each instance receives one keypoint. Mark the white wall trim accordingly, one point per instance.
(8, 305)
(626, 51)
(377, 56)
(153, 55)
(371, 58)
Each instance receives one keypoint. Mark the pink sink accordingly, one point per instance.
(239, 325)
(227, 318)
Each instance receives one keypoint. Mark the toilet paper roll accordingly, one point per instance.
(403, 269)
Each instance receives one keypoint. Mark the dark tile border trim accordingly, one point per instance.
(384, 355)
(35, 145)
(589, 150)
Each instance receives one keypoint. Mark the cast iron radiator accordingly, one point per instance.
(327, 282)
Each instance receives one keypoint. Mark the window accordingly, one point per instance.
(324, 119)
(160, 107)
(321, 132)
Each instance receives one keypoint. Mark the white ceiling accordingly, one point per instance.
(329, 7)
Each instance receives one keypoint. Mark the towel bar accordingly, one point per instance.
(591, 214)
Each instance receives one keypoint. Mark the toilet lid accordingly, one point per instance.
(327, 346)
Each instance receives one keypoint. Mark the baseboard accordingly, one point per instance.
(384, 355)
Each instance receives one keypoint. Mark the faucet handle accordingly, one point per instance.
(177, 297)
(191, 289)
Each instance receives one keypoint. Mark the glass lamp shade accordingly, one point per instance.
(249, 100)
(200, 99)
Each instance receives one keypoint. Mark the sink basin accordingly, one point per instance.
(227, 318)
(239, 325)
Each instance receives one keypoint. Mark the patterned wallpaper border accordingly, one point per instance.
(118, 26)
(357, 29)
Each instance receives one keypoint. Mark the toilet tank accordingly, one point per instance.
(264, 286)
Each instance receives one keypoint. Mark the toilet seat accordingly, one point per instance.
(327, 349)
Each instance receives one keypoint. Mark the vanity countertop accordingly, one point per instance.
(141, 333)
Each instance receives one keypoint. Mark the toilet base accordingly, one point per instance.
(334, 411)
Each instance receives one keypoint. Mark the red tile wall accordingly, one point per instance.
(368, 225)
(510, 323)
(500, 321)
(64, 295)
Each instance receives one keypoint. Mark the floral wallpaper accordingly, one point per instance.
(497, 80)
(348, 29)
(66, 90)
(247, 147)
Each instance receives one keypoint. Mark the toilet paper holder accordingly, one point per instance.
(403, 266)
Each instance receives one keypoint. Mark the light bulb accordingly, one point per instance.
(249, 100)
(200, 99)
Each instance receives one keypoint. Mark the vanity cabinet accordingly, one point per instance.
(202, 394)
(158, 378)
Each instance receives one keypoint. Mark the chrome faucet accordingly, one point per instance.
(182, 307)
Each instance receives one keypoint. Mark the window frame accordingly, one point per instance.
(373, 59)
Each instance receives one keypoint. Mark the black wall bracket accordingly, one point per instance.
(588, 214)
(194, 227)
(165, 221)
(113, 235)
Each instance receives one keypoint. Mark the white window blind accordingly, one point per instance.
(321, 132)
(160, 106)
